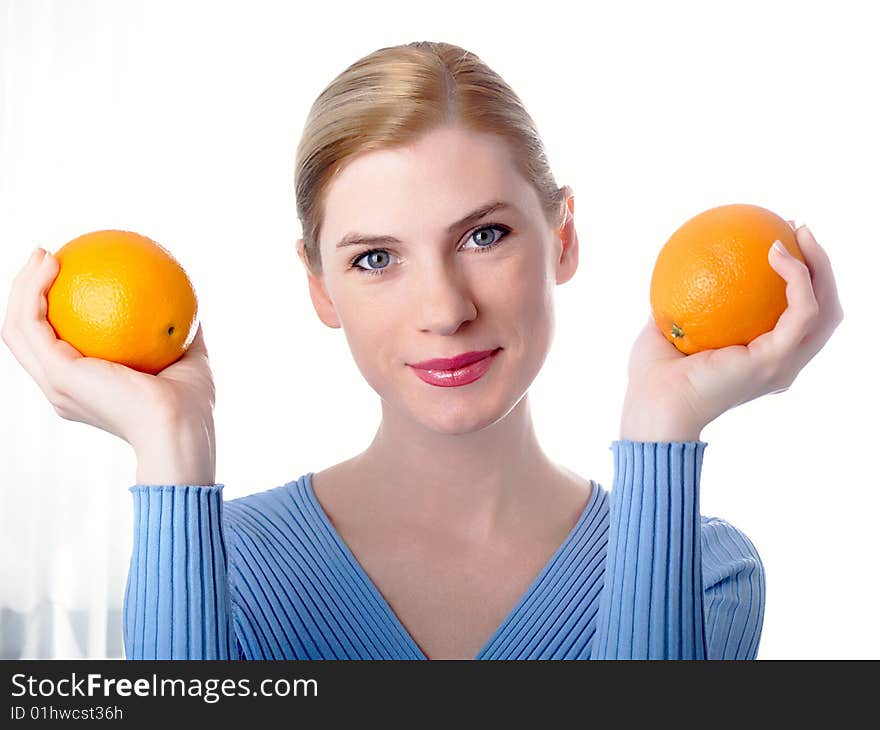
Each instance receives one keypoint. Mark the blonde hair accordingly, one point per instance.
(390, 98)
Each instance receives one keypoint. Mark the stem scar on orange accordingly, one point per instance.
(713, 285)
(121, 296)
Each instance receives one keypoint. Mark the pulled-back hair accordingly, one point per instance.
(390, 98)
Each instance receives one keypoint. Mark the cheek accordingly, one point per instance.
(524, 291)
(363, 311)
(371, 327)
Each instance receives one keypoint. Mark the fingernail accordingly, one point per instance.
(777, 245)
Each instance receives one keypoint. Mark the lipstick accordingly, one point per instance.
(459, 370)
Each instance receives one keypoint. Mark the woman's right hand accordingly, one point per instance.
(147, 411)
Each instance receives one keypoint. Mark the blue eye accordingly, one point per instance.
(495, 240)
(370, 255)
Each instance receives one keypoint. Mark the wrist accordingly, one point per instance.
(658, 436)
(178, 453)
(648, 425)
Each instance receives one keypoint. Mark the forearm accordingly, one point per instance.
(177, 601)
(652, 601)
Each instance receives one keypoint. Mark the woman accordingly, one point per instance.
(433, 230)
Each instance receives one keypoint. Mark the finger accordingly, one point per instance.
(15, 326)
(198, 343)
(825, 289)
(52, 353)
(652, 329)
(653, 336)
(189, 361)
(824, 285)
(651, 344)
(20, 284)
(197, 348)
(21, 350)
(801, 313)
(34, 306)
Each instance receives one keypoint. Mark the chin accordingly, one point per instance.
(461, 416)
(454, 411)
(452, 426)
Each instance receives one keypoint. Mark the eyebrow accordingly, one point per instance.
(355, 239)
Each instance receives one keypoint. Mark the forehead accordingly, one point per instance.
(430, 183)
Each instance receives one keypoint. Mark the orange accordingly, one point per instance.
(121, 296)
(713, 285)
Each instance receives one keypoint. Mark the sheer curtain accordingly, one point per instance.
(64, 511)
(179, 121)
(64, 514)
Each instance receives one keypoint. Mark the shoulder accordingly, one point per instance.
(727, 550)
(265, 511)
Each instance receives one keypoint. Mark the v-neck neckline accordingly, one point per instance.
(389, 611)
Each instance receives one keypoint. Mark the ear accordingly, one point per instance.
(567, 263)
(317, 291)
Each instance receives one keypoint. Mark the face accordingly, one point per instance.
(441, 288)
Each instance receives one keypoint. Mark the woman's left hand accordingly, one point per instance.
(672, 396)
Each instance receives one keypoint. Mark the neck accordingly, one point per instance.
(479, 482)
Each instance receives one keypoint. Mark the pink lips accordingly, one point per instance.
(459, 370)
(450, 363)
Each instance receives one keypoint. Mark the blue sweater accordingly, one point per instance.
(642, 575)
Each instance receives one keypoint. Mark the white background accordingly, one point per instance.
(179, 120)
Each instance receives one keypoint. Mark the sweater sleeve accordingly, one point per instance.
(661, 598)
(177, 601)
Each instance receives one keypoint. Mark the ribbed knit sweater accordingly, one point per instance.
(641, 575)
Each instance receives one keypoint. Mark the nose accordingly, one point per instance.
(443, 299)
